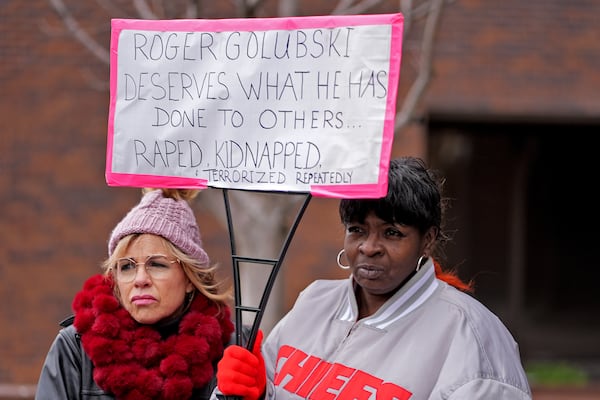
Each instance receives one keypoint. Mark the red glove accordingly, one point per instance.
(241, 373)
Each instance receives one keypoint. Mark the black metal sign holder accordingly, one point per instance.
(275, 263)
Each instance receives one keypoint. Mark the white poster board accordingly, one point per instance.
(301, 104)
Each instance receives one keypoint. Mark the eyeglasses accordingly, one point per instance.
(157, 266)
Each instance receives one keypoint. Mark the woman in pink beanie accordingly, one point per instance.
(154, 324)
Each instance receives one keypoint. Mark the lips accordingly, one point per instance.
(143, 300)
(367, 272)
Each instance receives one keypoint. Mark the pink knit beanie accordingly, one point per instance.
(164, 216)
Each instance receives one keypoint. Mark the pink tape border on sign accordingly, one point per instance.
(289, 23)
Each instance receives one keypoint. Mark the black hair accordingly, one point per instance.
(414, 198)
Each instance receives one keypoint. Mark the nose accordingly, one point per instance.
(141, 274)
(371, 246)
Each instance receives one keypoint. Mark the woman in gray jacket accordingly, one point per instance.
(399, 327)
(154, 324)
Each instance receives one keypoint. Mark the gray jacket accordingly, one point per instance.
(428, 342)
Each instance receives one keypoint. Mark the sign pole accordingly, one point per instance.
(275, 263)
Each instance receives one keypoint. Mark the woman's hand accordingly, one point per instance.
(241, 372)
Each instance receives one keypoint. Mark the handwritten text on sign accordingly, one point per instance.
(300, 104)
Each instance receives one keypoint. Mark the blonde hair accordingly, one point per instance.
(177, 194)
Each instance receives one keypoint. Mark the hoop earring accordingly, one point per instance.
(339, 263)
(189, 298)
(420, 263)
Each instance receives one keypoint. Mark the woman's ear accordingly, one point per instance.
(189, 287)
(429, 240)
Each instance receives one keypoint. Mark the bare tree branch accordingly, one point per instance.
(342, 5)
(248, 8)
(405, 7)
(144, 10)
(287, 8)
(79, 34)
(110, 7)
(403, 118)
(346, 7)
(193, 9)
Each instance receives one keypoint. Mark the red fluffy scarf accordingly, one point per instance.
(132, 361)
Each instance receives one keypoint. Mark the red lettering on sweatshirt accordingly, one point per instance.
(313, 378)
(292, 368)
(361, 388)
(332, 382)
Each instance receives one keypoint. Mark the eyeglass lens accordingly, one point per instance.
(157, 266)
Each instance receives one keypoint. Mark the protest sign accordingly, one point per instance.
(299, 104)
